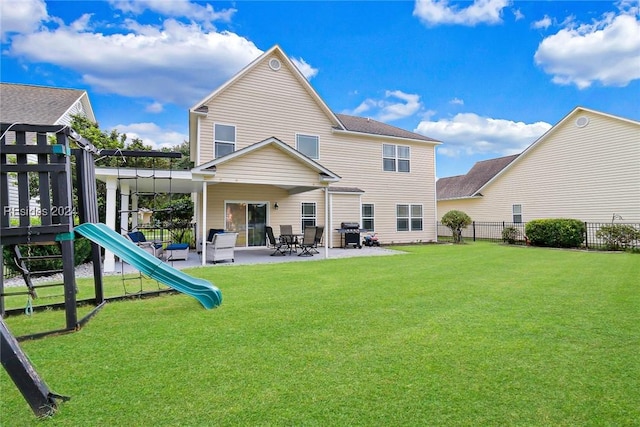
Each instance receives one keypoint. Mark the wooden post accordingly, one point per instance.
(22, 373)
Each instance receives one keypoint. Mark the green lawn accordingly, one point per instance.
(470, 335)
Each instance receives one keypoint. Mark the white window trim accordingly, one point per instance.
(215, 141)
(410, 217)
(312, 136)
(314, 217)
(373, 218)
(396, 159)
(513, 213)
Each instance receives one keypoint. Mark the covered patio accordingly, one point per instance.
(266, 174)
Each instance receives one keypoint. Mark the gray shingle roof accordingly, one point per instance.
(468, 185)
(370, 126)
(37, 105)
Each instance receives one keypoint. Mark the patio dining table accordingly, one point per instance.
(292, 241)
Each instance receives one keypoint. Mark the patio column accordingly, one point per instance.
(203, 223)
(124, 208)
(112, 186)
(327, 231)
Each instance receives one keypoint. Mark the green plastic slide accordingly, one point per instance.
(202, 290)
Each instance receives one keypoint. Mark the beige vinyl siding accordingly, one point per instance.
(586, 173)
(386, 189)
(265, 103)
(289, 207)
(268, 163)
(345, 208)
(262, 104)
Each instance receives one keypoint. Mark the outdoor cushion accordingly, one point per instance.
(176, 246)
(213, 231)
(137, 237)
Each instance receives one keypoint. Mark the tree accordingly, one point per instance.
(114, 140)
(176, 215)
(456, 221)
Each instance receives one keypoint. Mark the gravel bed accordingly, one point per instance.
(83, 270)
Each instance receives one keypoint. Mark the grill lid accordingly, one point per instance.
(348, 225)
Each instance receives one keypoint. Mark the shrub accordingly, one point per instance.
(510, 235)
(619, 236)
(456, 221)
(556, 232)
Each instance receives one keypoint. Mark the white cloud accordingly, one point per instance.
(154, 107)
(544, 23)
(307, 70)
(457, 101)
(152, 134)
(205, 14)
(517, 13)
(606, 51)
(171, 63)
(469, 133)
(21, 16)
(437, 12)
(396, 105)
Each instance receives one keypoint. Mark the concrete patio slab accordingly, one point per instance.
(263, 256)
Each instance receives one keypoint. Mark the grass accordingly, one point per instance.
(476, 334)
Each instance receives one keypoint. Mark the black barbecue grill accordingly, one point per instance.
(349, 234)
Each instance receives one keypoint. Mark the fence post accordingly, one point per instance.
(586, 235)
(473, 224)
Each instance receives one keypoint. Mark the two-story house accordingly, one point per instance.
(269, 151)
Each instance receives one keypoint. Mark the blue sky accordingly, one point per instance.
(486, 77)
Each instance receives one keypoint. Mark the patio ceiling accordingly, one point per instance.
(152, 180)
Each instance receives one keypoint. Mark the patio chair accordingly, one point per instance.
(222, 247)
(318, 240)
(212, 232)
(308, 241)
(153, 247)
(278, 244)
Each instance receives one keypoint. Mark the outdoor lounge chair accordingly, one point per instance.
(279, 245)
(222, 247)
(308, 241)
(318, 240)
(153, 247)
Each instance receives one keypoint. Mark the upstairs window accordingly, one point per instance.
(517, 213)
(396, 158)
(224, 138)
(368, 217)
(308, 145)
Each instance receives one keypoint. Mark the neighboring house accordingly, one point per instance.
(586, 167)
(269, 151)
(40, 105)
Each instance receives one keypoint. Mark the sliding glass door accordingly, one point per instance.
(249, 220)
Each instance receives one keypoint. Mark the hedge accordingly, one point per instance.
(556, 232)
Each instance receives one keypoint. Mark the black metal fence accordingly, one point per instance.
(598, 235)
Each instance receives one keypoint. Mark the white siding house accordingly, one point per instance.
(40, 105)
(585, 167)
(265, 137)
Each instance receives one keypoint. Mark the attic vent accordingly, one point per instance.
(274, 64)
(582, 121)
